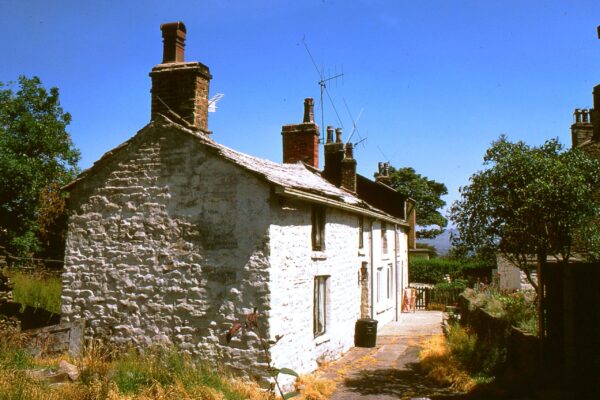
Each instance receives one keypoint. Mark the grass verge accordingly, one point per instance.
(459, 360)
(157, 374)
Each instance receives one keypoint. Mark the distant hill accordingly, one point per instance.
(441, 243)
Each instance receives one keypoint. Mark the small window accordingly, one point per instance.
(389, 281)
(379, 284)
(361, 223)
(319, 306)
(384, 243)
(318, 228)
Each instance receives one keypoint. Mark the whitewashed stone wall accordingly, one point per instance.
(294, 268)
(169, 243)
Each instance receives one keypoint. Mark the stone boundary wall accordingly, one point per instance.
(523, 349)
(56, 339)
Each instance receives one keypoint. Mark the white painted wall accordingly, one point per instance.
(294, 267)
(169, 243)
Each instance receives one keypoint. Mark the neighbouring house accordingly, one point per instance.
(172, 237)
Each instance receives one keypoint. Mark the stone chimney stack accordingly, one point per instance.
(581, 130)
(383, 174)
(334, 154)
(348, 173)
(179, 88)
(301, 141)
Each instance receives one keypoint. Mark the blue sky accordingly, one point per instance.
(437, 81)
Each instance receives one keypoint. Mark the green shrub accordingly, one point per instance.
(37, 291)
(482, 358)
(436, 270)
(518, 308)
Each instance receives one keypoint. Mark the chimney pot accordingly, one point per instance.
(338, 135)
(309, 110)
(329, 134)
(173, 34)
(349, 151)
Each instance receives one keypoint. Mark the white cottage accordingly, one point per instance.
(172, 237)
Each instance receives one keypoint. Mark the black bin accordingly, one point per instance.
(365, 332)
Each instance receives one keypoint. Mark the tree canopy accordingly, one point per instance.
(37, 157)
(529, 201)
(428, 195)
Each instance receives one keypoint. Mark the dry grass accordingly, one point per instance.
(110, 375)
(106, 374)
(439, 364)
(314, 388)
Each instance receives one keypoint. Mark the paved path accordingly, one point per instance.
(387, 371)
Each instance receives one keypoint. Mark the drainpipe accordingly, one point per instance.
(396, 243)
(372, 271)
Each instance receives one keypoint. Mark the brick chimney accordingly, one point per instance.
(301, 141)
(383, 173)
(334, 154)
(348, 169)
(179, 88)
(581, 130)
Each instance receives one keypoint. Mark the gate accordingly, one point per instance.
(421, 297)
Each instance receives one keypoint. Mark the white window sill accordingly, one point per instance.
(324, 338)
(318, 255)
(385, 257)
(362, 252)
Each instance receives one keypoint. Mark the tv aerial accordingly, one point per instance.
(212, 103)
(355, 126)
(323, 82)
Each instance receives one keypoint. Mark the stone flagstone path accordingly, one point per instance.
(388, 371)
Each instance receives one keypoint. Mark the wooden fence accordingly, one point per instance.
(427, 296)
(570, 328)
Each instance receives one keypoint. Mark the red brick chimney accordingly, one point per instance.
(301, 141)
(334, 154)
(180, 89)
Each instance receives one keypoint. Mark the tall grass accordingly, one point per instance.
(460, 360)
(161, 374)
(37, 291)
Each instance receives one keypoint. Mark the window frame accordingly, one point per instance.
(318, 217)
(384, 241)
(361, 230)
(390, 281)
(320, 298)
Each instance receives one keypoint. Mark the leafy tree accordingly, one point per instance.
(37, 157)
(428, 195)
(530, 201)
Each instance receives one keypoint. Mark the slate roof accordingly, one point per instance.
(296, 176)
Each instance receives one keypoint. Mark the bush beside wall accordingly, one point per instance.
(522, 363)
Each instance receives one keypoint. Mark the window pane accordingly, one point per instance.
(360, 231)
(318, 228)
(320, 301)
(378, 285)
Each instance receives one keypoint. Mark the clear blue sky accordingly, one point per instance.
(437, 81)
